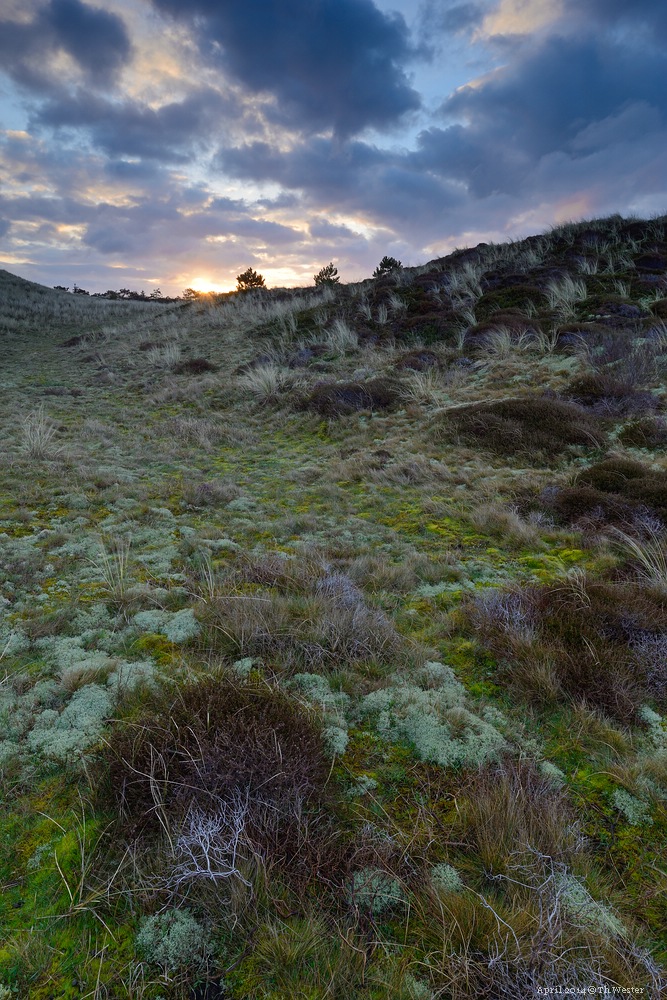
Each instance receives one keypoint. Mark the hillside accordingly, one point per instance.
(333, 630)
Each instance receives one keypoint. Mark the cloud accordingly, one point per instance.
(451, 17)
(97, 41)
(648, 15)
(130, 128)
(334, 64)
(544, 99)
(381, 188)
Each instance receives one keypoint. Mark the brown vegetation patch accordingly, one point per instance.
(537, 424)
(612, 305)
(195, 366)
(617, 492)
(209, 740)
(303, 357)
(509, 806)
(296, 622)
(659, 308)
(509, 296)
(418, 360)
(647, 432)
(340, 398)
(633, 482)
(651, 262)
(511, 319)
(603, 393)
(578, 642)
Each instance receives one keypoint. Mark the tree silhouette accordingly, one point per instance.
(327, 276)
(386, 265)
(248, 280)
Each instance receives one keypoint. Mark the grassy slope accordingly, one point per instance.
(130, 485)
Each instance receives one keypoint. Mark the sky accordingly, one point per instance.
(174, 143)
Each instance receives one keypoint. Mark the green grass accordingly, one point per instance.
(358, 548)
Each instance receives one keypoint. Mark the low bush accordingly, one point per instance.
(587, 508)
(418, 360)
(646, 432)
(322, 623)
(340, 398)
(511, 297)
(220, 780)
(632, 482)
(195, 366)
(576, 642)
(530, 426)
(208, 741)
(619, 492)
(210, 493)
(603, 393)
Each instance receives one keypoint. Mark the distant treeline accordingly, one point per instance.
(131, 295)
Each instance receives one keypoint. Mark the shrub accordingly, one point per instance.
(209, 743)
(386, 266)
(527, 426)
(632, 482)
(195, 366)
(210, 493)
(418, 360)
(327, 275)
(330, 626)
(646, 432)
(248, 280)
(341, 398)
(603, 393)
(587, 507)
(583, 643)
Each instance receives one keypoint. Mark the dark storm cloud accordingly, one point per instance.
(547, 97)
(351, 177)
(132, 129)
(316, 164)
(651, 14)
(329, 64)
(96, 40)
(540, 104)
(151, 224)
(555, 121)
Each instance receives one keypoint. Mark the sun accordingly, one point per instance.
(202, 284)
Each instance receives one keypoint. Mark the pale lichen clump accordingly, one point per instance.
(434, 718)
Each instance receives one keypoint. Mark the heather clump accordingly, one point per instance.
(539, 427)
(574, 641)
(343, 398)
